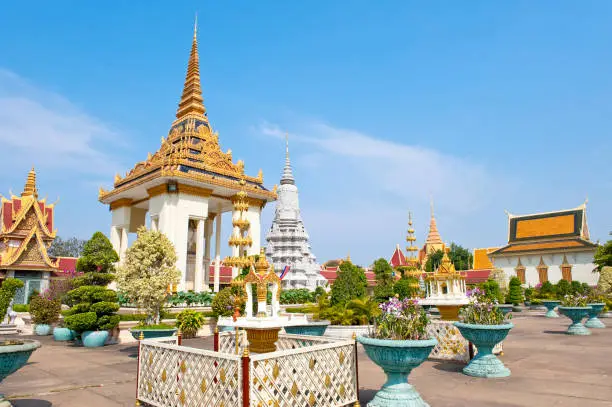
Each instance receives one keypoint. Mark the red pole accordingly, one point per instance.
(216, 340)
(140, 338)
(245, 378)
(471, 350)
(356, 367)
(179, 335)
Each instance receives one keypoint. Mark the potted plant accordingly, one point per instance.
(189, 322)
(550, 308)
(484, 325)
(144, 277)
(515, 294)
(398, 344)
(62, 333)
(44, 312)
(574, 306)
(597, 302)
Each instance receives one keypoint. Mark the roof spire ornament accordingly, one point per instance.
(287, 177)
(192, 102)
(433, 237)
(411, 239)
(29, 188)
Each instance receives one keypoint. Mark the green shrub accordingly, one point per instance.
(384, 280)
(224, 302)
(529, 292)
(189, 321)
(515, 292)
(44, 311)
(104, 308)
(190, 298)
(307, 309)
(144, 326)
(563, 288)
(536, 301)
(547, 290)
(296, 296)
(7, 293)
(98, 256)
(93, 279)
(86, 321)
(405, 288)
(92, 300)
(21, 308)
(350, 283)
(492, 291)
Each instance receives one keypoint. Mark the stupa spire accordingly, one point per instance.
(433, 237)
(192, 102)
(29, 188)
(287, 177)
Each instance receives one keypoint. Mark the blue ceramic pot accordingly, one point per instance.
(153, 333)
(397, 359)
(576, 314)
(485, 337)
(223, 328)
(505, 308)
(315, 328)
(14, 354)
(593, 321)
(63, 334)
(550, 308)
(42, 329)
(94, 339)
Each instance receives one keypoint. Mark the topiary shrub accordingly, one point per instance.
(91, 300)
(87, 321)
(384, 280)
(350, 283)
(515, 292)
(7, 293)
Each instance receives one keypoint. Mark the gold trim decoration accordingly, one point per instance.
(120, 203)
(311, 399)
(149, 387)
(275, 371)
(342, 390)
(311, 364)
(327, 381)
(182, 397)
(183, 367)
(341, 357)
(157, 190)
(294, 389)
(193, 190)
(203, 386)
(164, 376)
(222, 375)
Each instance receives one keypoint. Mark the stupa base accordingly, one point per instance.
(449, 312)
(262, 340)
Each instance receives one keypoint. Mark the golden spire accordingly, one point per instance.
(348, 257)
(433, 237)
(192, 102)
(30, 186)
(411, 239)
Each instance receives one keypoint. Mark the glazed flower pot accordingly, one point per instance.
(576, 314)
(593, 321)
(152, 333)
(550, 308)
(63, 334)
(315, 328)
(397, 359)
(94, 339)
(42, 329)
(14, 354)
(485, 337)
(225, 328)
(505, 308)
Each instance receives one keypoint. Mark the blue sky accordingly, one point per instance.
(486, 106)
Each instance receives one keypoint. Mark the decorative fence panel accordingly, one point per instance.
(175, 376)
(323, 375)
(227, 342)
(451, 344)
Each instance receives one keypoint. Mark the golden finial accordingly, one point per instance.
(348, 257)
(354, 335)
(216, 329)
(191, 99)
(245, 352)
(141, 336)
(29, 188)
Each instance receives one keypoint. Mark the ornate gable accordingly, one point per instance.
(31, 253)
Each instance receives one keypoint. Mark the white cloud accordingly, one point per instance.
(44, 129)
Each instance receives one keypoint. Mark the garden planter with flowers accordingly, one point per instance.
(398, 344)
(576, 309)
(550, 308)
(484, 325)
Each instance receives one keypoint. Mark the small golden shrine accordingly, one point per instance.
(263, 275)
(446, 289)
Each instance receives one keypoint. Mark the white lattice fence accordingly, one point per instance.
(175, 376)
(227, 342)
(287, 341)
(451, 344)
(313, 376)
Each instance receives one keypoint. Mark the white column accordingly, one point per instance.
(217, 252)
(254, 217)
(124, 244)
(181, 229)
(115, 238)
(207, 234)
(199, 256)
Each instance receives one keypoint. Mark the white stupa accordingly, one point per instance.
(288, 241)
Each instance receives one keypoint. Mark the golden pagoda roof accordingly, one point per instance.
(191, 150)
(30, 254)
(433, 237)
(446, 270)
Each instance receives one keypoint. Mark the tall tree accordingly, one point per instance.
(384, 280)
(460, 257)
(98, 255)
(350, 283)
(603, 256)
(433, 261)
(71, 247)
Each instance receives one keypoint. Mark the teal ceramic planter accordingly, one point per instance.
(14, 354)
(576, 314)
(223, 328)
(315, 328)
(485, 337)
(42, 329)
(63, 334)
(550, 308)
(397, 359)
(505, 308)
(153, 333)
(94, 339)
(593, 321)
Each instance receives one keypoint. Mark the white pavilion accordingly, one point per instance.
(183, 190)
(288, 241)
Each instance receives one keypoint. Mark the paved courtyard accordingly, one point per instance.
(548, 367)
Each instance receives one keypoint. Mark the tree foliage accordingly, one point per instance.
(406, 288)
(384, 280)
(461, 257)
(227, 299)
(515, 293)
(92, 308)
(7, 292)
(71, 247)
(147, 272)
(350, 283)
(604, 285)
(492, 290)
(98, 255)
(603, 256)
(433, 261)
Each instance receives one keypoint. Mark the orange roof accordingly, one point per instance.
(481, 259)
(557, 245)
(549, 225)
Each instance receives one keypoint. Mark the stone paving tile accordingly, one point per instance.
(548, 369)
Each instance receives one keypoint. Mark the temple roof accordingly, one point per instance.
(433, 237)
(398, 258)
(30, 254)
(191, 150)
(547, 231)
(481, 259)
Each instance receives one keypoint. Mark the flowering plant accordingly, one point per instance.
(401, 320)
(482, 310)
(574, 300)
